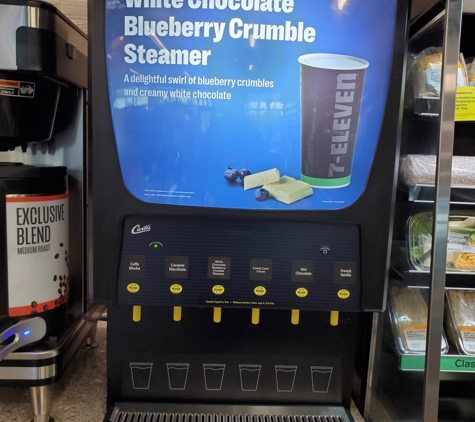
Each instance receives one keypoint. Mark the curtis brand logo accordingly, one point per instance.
(137, 229)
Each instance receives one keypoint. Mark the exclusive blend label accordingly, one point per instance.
(37, 253)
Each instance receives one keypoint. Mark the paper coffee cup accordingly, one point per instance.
(331, 88)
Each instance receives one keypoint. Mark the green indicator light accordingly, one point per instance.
(155, 246)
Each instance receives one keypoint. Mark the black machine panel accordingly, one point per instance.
(293, 268)
(203, 262)
(234, 361)
(371, 213)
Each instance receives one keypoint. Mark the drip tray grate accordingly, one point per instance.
(155, 412)
(190, 417)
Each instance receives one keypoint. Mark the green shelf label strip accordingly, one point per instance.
(448, 363)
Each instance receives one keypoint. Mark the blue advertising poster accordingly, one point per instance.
(248, 104)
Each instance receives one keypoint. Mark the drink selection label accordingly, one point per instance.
(204, 93)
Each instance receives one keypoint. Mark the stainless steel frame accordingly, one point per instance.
(451, 20)
(450, 55)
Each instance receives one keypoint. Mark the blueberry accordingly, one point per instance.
(231, 174)
(243, 173)
(261, 194)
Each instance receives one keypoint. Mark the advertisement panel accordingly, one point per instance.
(248, 104)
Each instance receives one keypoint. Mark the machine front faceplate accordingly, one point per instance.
(245, 263)
(196, 360)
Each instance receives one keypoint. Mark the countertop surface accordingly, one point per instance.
(79, 396)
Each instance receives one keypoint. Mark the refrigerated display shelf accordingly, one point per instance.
(464, 109)
(454, 279)
(458, 196)
(427, 106)
(442, 391)
(421, 279)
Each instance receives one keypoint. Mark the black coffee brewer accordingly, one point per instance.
(42, 73)
(43, 292)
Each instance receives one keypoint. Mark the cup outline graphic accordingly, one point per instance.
(137, 381)
(249, 368)
(321, 370)
(331, 91)
(214, 368)
(287, 369)
(178, 366)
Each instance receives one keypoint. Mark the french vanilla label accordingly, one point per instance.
(37, 251)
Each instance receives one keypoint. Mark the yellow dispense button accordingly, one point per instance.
(343, 294)
(260, 291)
(218, 289)
(176, 289)
(133, 287)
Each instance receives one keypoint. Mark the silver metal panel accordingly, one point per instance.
(28, 373)
(46, 19)
(469, 6)
(69, 343)
(14, 16)
(36, 354)
(11, 17)
(452, 31)
(374, 364)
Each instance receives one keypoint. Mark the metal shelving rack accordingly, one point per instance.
(427, 387)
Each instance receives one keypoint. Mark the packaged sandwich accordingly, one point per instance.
(460, 313)
(471, 73)
(460, 242)
(426, 73)
(408, 315)
(418, 169)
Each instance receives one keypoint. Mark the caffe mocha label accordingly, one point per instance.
(37, 248)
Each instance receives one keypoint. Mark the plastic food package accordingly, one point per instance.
(408, 315)
(471, 73)
(460, 313)
(420, 170)
(460, 242)
(426, 73)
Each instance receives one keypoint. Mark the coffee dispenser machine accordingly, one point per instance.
(243, 156)
(43, 292)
